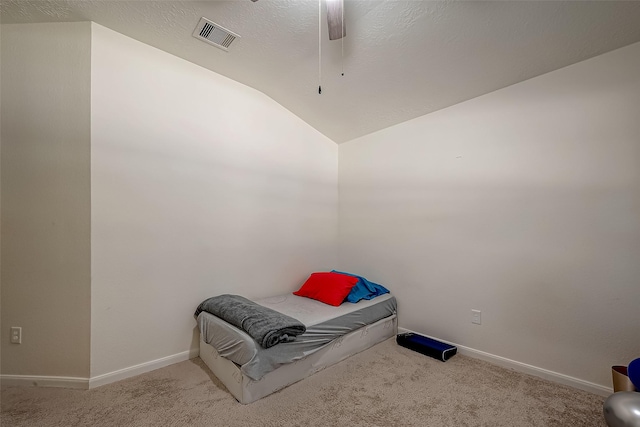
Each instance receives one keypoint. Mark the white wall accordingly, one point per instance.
(523, 203)
(200, 186)
(46, 198)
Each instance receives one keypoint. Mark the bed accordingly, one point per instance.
(251, 372)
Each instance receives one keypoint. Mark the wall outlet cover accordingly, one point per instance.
(476, 317)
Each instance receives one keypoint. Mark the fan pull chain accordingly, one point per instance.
(342, 34)
(319, 47)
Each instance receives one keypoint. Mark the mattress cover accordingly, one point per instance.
(324, 324)
(246, 390)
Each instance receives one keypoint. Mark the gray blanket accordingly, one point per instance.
(266, 326)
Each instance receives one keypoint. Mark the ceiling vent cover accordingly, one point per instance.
(214, 34)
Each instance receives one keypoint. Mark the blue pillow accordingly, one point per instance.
(364, 289)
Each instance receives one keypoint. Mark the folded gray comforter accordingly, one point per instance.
(266, 326)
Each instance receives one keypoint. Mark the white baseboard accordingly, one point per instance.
(87, 383)
(43, 381)
(525, 368)
(142, 368)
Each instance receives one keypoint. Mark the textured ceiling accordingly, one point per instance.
(402, 59)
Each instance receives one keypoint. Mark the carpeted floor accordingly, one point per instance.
(386, 385)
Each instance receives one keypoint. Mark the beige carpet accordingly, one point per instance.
(386, 385)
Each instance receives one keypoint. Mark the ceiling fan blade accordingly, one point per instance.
(335, 14)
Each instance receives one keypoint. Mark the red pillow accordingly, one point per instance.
(329, 288)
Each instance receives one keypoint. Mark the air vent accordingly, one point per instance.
(214, 34)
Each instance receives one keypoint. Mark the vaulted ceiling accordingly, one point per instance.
(402, 59)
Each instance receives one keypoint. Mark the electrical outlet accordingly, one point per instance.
(476, 317)
(16, 335)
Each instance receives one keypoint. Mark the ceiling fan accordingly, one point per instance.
(337, 30)
(335, 19)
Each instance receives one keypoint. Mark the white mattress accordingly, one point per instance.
(311, 312)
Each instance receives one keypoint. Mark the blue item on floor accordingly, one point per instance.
(634, 372)
(427, 346)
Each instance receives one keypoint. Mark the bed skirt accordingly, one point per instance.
(246, 390)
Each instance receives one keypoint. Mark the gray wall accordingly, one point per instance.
(46, 200)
